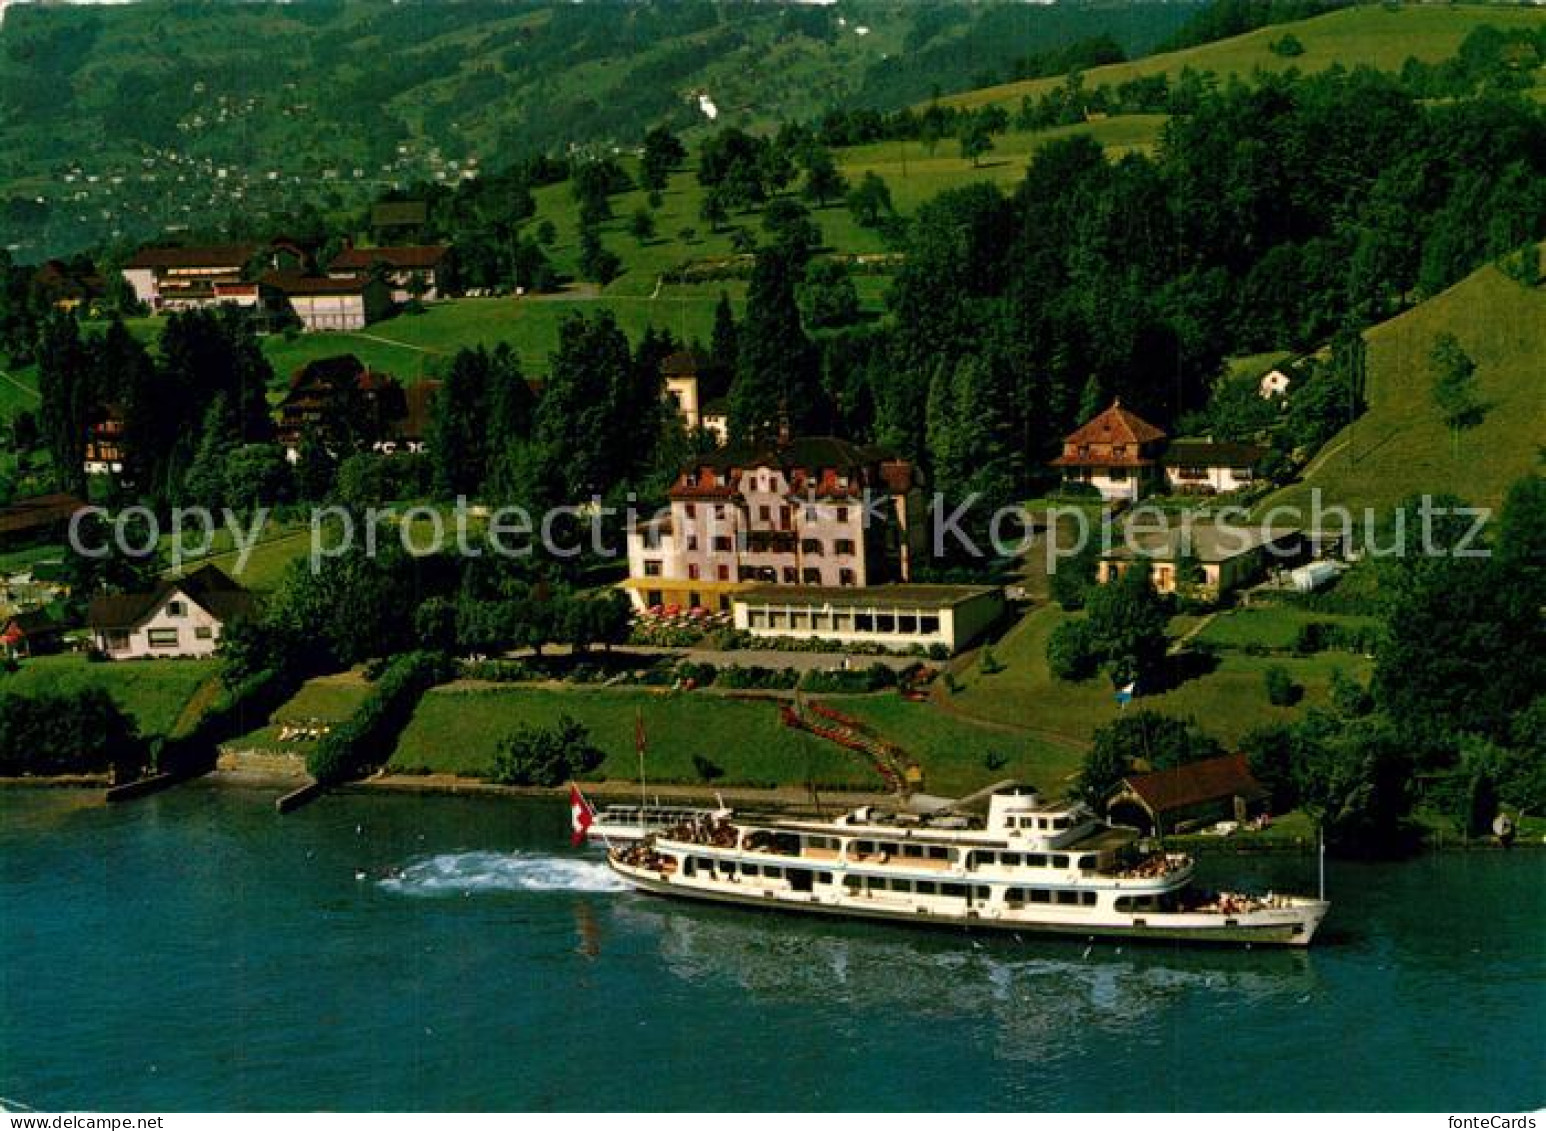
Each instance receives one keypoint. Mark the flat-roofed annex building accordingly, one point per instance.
(898, 616)
(1229, 556)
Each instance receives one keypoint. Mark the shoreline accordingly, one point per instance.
(783, 799)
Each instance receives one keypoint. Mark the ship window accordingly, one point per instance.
(824, 877)
(1040, 895)
(1068, 897)
(1087, 898)
(981, 892)
(901, 885)
(927, 887)
(938, 852)
(853, 883)
(1014, 896)
(955, 891)
(1010, 859)
(749, 869)
(1035, 860)
(773, 872)
(1087, 862)
(1060, 861)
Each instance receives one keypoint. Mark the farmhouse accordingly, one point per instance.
(1225, 557)
(897, 616)
(1202, 467)
(182, 616)
(813, 510)
(1116, 453)
(410, 272)
(1187, 797)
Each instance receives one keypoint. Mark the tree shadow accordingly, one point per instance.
(1182, 667)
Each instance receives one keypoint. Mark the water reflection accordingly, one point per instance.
(1030, 989)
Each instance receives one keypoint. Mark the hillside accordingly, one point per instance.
(1400, 446)
(125, 120)
(1383, 37)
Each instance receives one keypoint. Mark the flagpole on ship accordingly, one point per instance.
(639, 744)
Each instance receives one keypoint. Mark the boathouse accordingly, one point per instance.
(1187, 797)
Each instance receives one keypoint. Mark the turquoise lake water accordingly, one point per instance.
(195, 951)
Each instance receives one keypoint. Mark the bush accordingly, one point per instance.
(66, 732)
(1069, 654)
(989, 664)
(546, 756)
(876, 677)
(736, 677)
(1282, 691)
(369, 735)
(707, 770)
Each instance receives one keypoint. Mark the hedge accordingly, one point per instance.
(368, 737)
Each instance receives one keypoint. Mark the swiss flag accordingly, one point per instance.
(581, 816)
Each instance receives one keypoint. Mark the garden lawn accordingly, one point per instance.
(458, 728)
(330, 699)
(955, 753)
(1226, 702)
(1273, 627)
(153, 691)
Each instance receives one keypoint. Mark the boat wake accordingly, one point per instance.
(461, 873)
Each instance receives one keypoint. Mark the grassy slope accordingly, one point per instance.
(1374, 36)
(1226, 703)
(329, 698)
(153, 691)
(1401, 446)
(457, 729)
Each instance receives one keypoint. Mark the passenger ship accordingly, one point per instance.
(1024, 865)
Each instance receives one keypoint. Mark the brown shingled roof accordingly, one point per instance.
(213, 255)
(1195, 783)
(1116, 426)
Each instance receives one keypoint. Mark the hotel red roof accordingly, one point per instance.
(1116, 426)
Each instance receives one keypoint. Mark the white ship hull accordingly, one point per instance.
(1292, 921)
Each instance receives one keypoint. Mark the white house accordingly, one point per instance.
(183, 616)
(1202, 467)
(329, 303)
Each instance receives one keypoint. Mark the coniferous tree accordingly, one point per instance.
(458, 443)
(65, 395)
(775, 380)
(723, 342)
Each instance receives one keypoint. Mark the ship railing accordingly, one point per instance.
(1151, 867)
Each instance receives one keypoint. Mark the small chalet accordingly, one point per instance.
(352, 408)
(411, 272)
(182, 616)
(32, 633)
(1202, 467)
(65, 288)
(1117, 453)
(697, 388)
(1188, 797)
